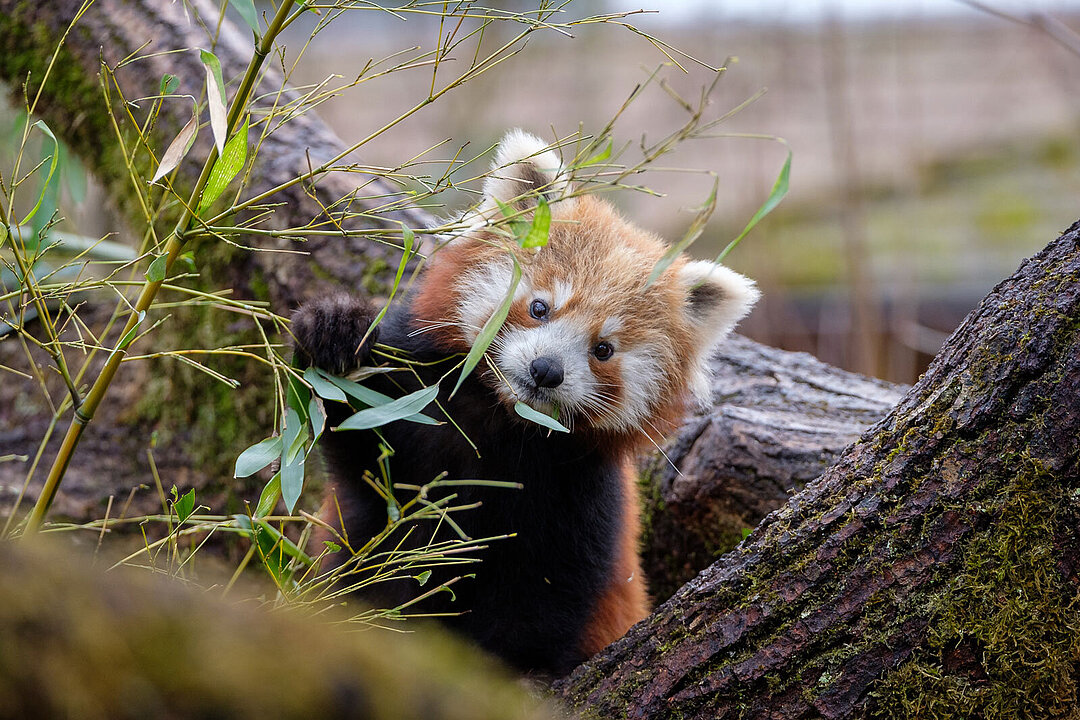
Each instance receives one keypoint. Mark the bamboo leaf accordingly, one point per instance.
(129, 336)
(323, 387)
(40, 125)
(292, 461)
(697, 226)
(317, 418)
(534, 415)
(156, 271)
(246, 10)
(292, 482)
(408, 237)
(258, 456)
(226, 167)
(537, 235)
(398, 409)
(185, 505)
(600, 156)
(371, 397)
(169, 83)
(490, 329)
(178, 148)
(215, 98)
(271, 492)
(779, 190)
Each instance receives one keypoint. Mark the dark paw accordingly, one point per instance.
(328, 332)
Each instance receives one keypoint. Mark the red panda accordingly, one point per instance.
(618, 357)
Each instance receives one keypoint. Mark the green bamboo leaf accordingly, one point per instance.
(323, 387)
(269, 497)
(297, 394)
(317, 417)
(371, 397)
(292, 482)
(537, 235)
(600, 156)
(215, 98)
(518, 227)
(129, 336)
(226, 167)
(40, 125)
(156, 271)
(258, 456)
(169, 83)
(533, 415)
(292, 461)
(779, 190)
(184, 505)
(246, 10)
(697, 226)
(490, 329)
(398, 409)
(408, 237)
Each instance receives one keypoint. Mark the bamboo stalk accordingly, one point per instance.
(85, 412)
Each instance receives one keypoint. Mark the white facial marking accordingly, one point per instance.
(580, 392)
(563, 292)
(611, 326)
(642, 375)
(556, 339)
(484, 288)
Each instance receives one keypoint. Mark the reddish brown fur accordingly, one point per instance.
(607, 261)
(626, 600)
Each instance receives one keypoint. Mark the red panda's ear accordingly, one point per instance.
(524, 169)
(717, 298)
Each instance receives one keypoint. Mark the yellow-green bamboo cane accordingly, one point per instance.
(85, 412)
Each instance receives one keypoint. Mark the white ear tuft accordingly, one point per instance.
(717, 298)
(523, 168)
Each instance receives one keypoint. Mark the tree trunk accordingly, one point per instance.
(932, 572)
(777, 420)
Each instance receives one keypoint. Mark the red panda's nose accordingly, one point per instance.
(547, 372)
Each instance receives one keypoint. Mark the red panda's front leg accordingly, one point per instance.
(329, 332)
(625, 599)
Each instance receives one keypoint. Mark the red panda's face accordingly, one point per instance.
(587, 336)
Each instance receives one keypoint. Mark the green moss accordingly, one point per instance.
(1004, 640)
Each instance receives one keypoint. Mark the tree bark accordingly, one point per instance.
(777, 420)
(932, 572)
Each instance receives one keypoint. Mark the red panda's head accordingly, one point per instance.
(586, 331)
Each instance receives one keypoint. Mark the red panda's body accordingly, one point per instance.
(587, 334)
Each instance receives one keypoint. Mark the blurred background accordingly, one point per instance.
(935, 144)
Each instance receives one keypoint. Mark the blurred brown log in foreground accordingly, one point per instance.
(76, 642)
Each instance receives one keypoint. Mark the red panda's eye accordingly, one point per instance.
(603, 350)
(539, 309)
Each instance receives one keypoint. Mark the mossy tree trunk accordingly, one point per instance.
(932, 572)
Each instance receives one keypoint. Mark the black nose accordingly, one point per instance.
(546, 372)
